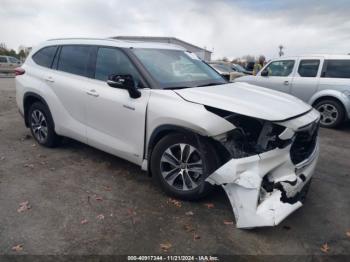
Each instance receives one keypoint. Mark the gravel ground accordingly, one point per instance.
(84, 201)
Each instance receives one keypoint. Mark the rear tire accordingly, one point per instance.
(181, 163)
(332, 113)
(42, 126)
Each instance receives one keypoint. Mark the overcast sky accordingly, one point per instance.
(230, 28)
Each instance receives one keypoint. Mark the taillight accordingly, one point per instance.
(19, 71)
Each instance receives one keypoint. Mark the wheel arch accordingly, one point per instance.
(336, 99)
(330, 94)
(30, 98)
(166, 129)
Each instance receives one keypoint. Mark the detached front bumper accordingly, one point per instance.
(264, 189)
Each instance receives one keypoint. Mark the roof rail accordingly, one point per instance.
(84, 38)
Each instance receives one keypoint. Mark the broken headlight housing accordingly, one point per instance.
(251, 136)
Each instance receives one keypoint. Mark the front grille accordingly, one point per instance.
(304, 143)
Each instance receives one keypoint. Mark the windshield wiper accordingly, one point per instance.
(212, 84)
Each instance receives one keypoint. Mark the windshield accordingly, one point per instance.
(177, 68)
(239, 67)
(222, 68)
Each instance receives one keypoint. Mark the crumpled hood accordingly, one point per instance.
(247, 99)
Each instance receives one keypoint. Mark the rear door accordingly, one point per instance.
(115, 121)
(305, 82)
(280, 75)
(69, 82)
(335, 75)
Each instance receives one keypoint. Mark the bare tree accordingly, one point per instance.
(3, 47)
(225, 59)
(248, 58)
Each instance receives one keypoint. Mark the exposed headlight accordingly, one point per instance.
(251, 136)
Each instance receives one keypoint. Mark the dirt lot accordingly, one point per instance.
(126, 213)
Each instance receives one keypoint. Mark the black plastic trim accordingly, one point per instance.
(162, 128)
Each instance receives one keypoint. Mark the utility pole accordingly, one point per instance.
(281, 47)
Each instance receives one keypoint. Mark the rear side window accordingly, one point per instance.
(336, 69)
(3, 60)
(44, 57)
(74, 59)
(308, 68)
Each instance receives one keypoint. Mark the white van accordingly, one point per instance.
(323, 81)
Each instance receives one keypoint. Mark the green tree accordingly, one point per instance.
(12, 53)
(21, 54)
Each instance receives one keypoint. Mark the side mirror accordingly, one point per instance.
(124, 82)
(265, 72)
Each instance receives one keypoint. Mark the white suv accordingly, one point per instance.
(323, 81)
(162, 108)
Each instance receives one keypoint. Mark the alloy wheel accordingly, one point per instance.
(181, 166)
(329, 114)
(39, 125)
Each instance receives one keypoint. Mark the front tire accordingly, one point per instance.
(181, 163)
(41, 125)
(332, 113)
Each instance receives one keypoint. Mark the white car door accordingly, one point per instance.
(115, 121)
(307, 77)
(69, 82)
(278, 75)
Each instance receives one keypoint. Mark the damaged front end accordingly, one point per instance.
(271, 164)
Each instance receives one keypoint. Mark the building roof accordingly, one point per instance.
(158, 38)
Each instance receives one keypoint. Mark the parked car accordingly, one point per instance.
(162, 108)
(8, 64)
(249, 67)
(241, 69)
(226, 71)
(323, 81)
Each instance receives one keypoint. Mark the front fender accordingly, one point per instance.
(167, 111)
(167, 108)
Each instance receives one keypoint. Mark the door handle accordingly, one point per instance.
(129, 107)
(93, 93)
(49, 79)
(286, 82)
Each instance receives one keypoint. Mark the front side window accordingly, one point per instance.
(3, 60)
(44, 57)
(113, 61)
(74, 59)
(176, 68)
(337, 69)
(280, 68)
(308, 68)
